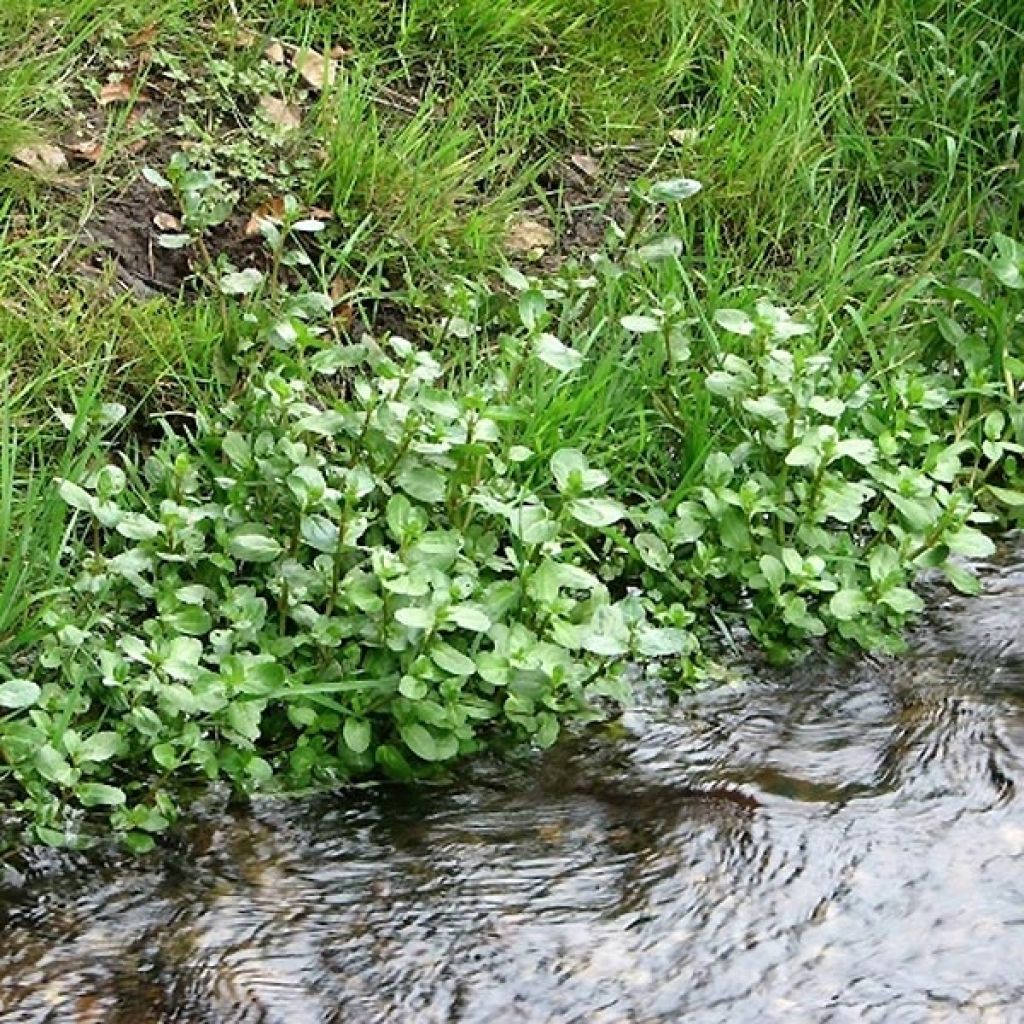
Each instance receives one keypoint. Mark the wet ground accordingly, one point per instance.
(842, 844)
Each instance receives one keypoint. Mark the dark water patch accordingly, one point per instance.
(845, 843)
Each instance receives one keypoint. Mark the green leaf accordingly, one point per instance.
(253, 543)
(571, 472)
(19, 693)
(416, 617)
(919, 516)
(803, 455)
(970, 543)
(244, 717)
(357, 734)
(469, 616)
(548, 349)
(659, 250)
(412, 688)
(139, 843)
(452, 661)
(319, 533)
(95, 794)
(426, 744)
(902, 600)
(596, 512)
(638, 323)
(566, 463)
(767, 407)
(402, 517)
(307, 484)
(1008, 263)
(155, 178)
(101, 746)
(607, 633)
(860, 449)
(718, 471)
(136, 526)
(166, 756)
(653, 550)
(673, 190)
(547, 730)
(181, 658)
(735, 321)
(191, 620)
(725, 385)
(75, 496)
(242, 282)
(259, 770)
(236, 447)
(532, 305)
(173, 240)
(50, 763)
(422, 483)
(962, 579)
(773, 571)
(1013, 499)
(847, 604)
(663, 643)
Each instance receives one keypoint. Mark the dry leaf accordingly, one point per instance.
(590, 167)
(318, 71)
(41, 158)
(528, 236)
(339, 288)
(682, 136)
(89, 150)
(272, 210)
(167, 222)
(116, 92)
(274, 53)
(285, 115)
(319, 213)
(144, 36)
(243, 37)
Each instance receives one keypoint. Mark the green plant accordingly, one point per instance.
(313, 588)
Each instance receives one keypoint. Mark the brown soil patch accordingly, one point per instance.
(122, 233)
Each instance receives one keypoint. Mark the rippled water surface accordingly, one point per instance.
(845, 843)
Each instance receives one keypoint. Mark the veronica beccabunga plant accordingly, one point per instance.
(310, 590)
(359, 566)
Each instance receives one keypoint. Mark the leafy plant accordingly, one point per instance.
(361, 563)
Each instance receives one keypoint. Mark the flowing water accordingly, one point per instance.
(842, 844)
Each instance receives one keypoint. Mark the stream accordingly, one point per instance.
(844, 842)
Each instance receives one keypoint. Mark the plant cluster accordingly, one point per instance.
(364, 563)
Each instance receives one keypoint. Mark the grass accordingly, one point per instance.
(846, 151)
(850, 155)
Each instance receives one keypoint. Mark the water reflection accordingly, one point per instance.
(846, 843)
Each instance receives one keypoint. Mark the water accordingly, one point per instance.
(842, 844)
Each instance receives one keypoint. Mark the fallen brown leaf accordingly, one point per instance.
(682, 136)
(285, 115)
(274, 53)
(526, 237)
(318, 71)
(41, 158)
(243, 37)
(166, 222)
(590, 167)
(89, 150)
(117, 92)
(319, 213)
(144, 36)
(339, 288)
(272, 210)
